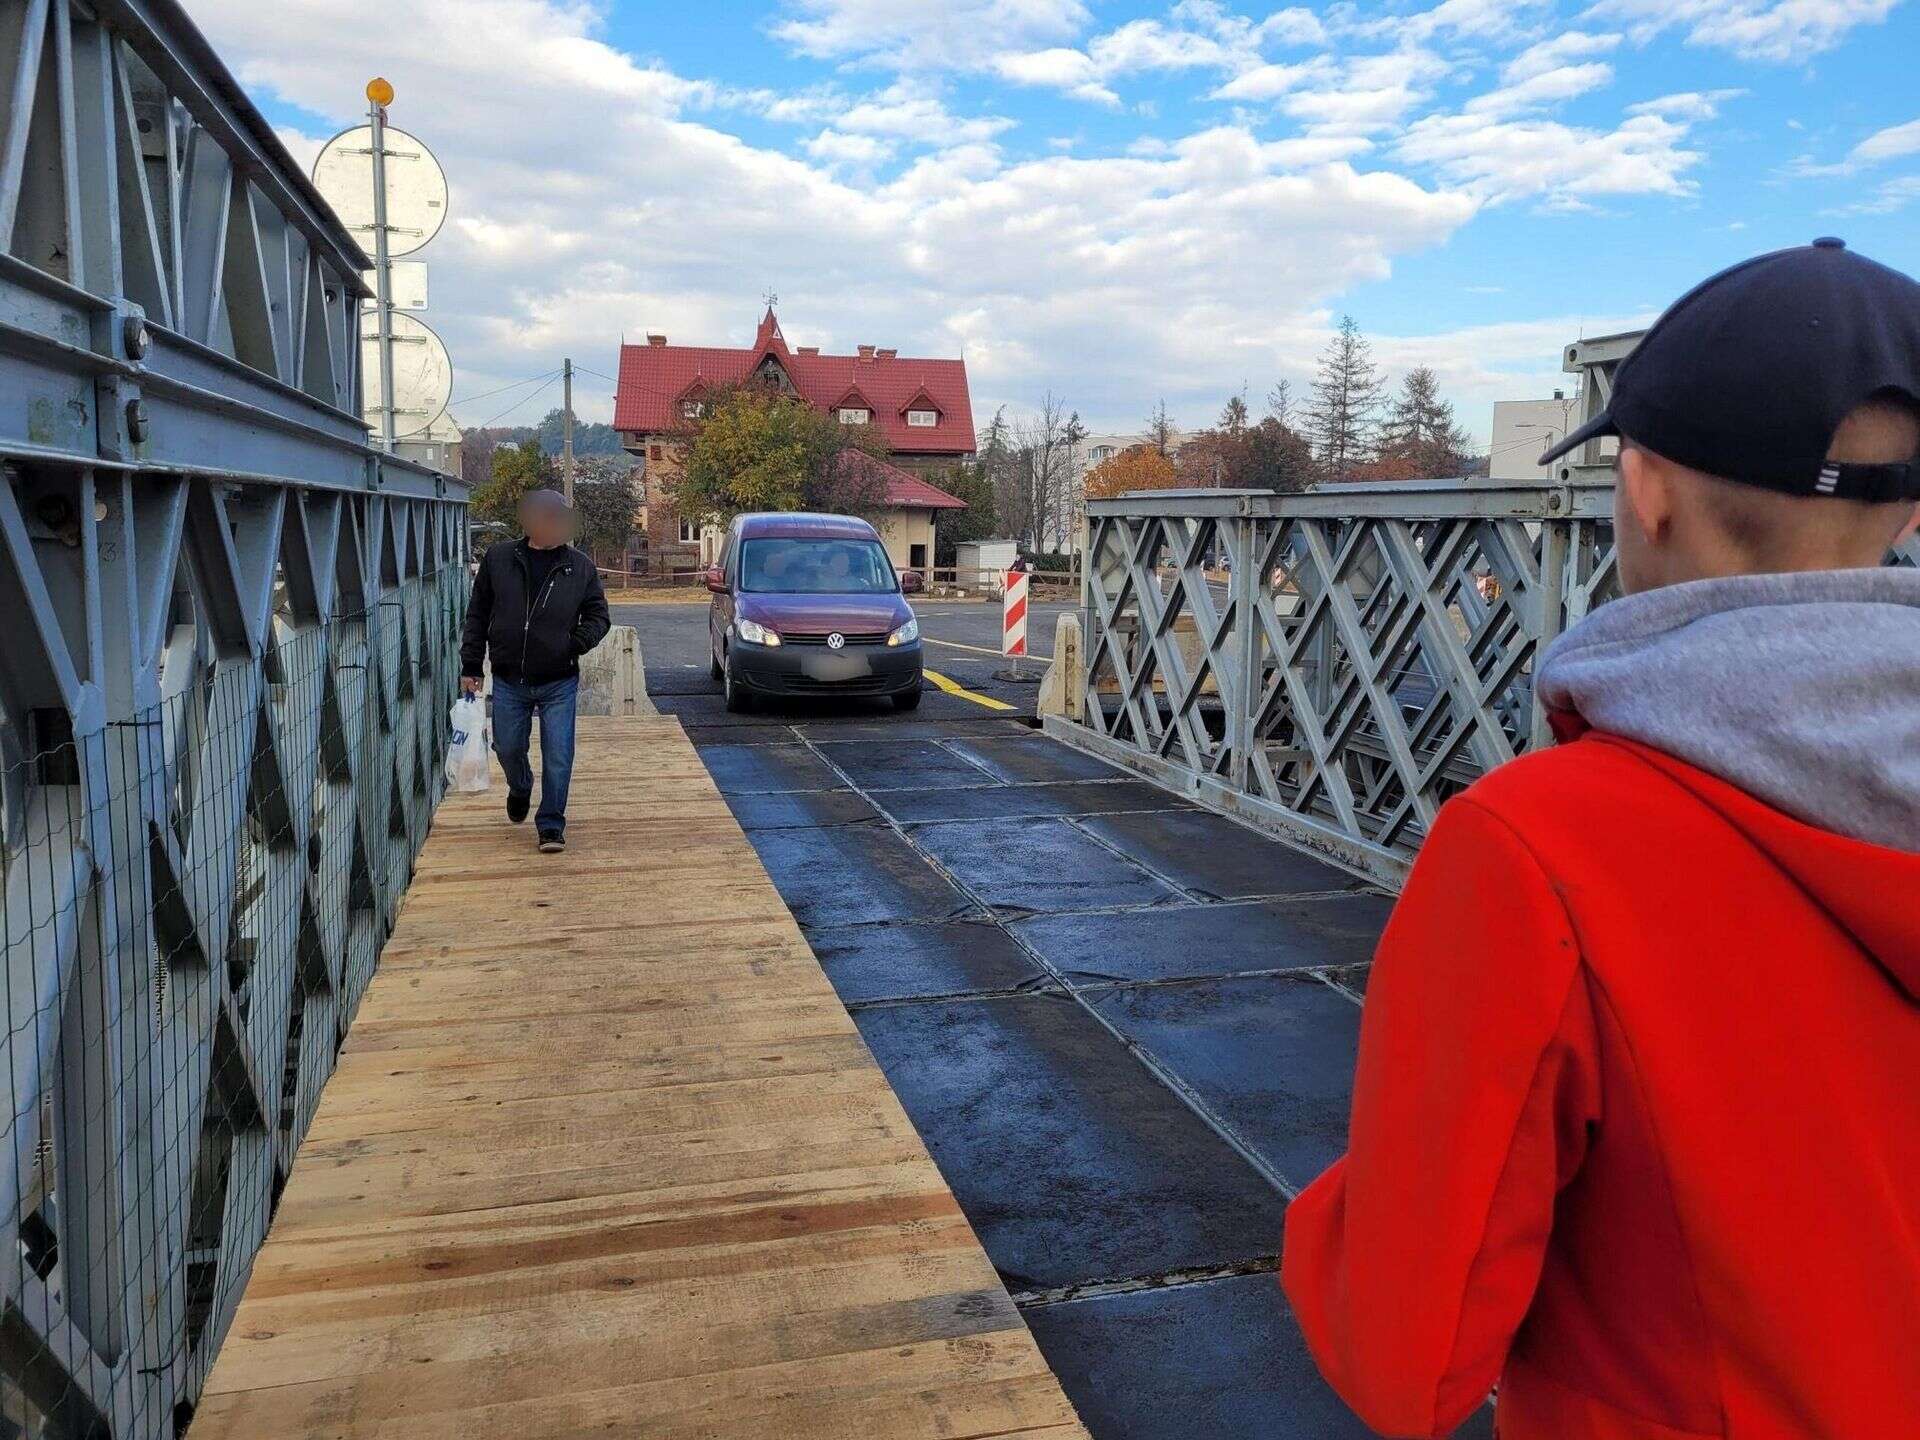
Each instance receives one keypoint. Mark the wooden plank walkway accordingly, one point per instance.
(605, 1156)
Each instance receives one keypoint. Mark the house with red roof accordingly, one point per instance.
(921, 407)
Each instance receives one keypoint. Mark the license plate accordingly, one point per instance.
(836, 667)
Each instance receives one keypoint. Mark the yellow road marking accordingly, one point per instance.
(976, 649)
(954, 688)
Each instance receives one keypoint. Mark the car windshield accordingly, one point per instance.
(816, 567)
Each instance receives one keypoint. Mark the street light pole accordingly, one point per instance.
(379, 96)
(566, 428)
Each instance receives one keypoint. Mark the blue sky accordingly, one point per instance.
(1114, 202)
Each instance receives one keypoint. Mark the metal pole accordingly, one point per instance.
(382, 271)
(566, 428)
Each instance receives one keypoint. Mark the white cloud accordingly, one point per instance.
(1196, 35)
(1889, 196)
(1549, 55)
(1888, 144)
(1070, 71)
(1270, 82)
(1778, 31)
(1548, 87)
(912, 112)
(914, 35)
(1368, 93)
(1688, 105)
(1893, 143)
(838, 147)
(1501, 160)
(595, 194)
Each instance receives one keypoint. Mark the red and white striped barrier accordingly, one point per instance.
(1013, 614)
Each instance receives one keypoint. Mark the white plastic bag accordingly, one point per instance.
(469, 768)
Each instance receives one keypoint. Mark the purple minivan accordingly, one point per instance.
(811, 605)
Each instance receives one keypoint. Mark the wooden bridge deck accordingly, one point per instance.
(605, 1156)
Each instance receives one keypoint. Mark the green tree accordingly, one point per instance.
(753, 448)
(1277, 457)
(1346, 393)
(1160, 428)
(516, 470)
(978, 521)
(1420, 431)
(604, 496)
(589, 437)
(1234, 417)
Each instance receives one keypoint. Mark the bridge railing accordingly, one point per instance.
(1369, 652)
(226, 657)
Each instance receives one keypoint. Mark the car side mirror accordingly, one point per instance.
(716, 580)
(912, 582)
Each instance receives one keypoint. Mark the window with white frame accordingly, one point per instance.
(689, 532)
(923, 419)
(1100, 452)
(693, 409)
(854, 415)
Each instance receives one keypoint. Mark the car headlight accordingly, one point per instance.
(906, 634)
(754, 633)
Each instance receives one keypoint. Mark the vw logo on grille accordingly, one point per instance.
(836, 640)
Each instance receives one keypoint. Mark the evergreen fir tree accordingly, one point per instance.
(1346, 395)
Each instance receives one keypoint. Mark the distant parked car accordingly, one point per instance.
(810, 605)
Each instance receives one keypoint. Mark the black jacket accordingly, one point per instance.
(535, 639)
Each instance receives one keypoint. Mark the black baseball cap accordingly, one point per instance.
(1748, 374)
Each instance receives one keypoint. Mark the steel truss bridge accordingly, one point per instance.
(1367, 653)
(227, 635)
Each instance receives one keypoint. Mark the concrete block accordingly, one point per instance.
(613, 681)
(1063, 689)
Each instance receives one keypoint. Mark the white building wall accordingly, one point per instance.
(1522, 429)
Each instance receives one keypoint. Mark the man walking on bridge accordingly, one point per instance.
(1636, 1125)
(537, 607)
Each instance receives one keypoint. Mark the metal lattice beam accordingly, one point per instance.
(1369, 654)
(224, 676)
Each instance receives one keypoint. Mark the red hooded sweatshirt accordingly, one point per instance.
(1636, 1124)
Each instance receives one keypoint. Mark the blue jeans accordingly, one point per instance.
(514, 706)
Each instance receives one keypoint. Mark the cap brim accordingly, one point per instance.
(1601, 424)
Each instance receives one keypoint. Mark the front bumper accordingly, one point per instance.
(816, 670)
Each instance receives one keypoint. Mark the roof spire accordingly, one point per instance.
(769, 324)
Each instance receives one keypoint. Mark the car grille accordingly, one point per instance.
(863, 685)
(852, 637)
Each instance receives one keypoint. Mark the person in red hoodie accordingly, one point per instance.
(1636, 1123)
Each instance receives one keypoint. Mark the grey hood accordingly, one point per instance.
(1803, 690)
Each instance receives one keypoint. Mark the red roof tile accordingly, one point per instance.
(653, 378)
(903, 487)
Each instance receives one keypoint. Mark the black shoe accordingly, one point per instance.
(518, 803)
(552, 842)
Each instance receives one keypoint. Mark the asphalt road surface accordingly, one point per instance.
(961, 638)
(1124, 1026)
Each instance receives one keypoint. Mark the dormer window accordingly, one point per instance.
(693, 409)
(855, 415)
(923, 419)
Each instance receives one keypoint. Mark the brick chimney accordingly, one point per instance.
(808, 350)
(656, 339)
(885, 354)
(866, 352)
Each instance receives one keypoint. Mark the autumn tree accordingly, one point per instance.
(516, 470)
(1138, 467)
(1420, 432)
(1346, 395)
(754, 448)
